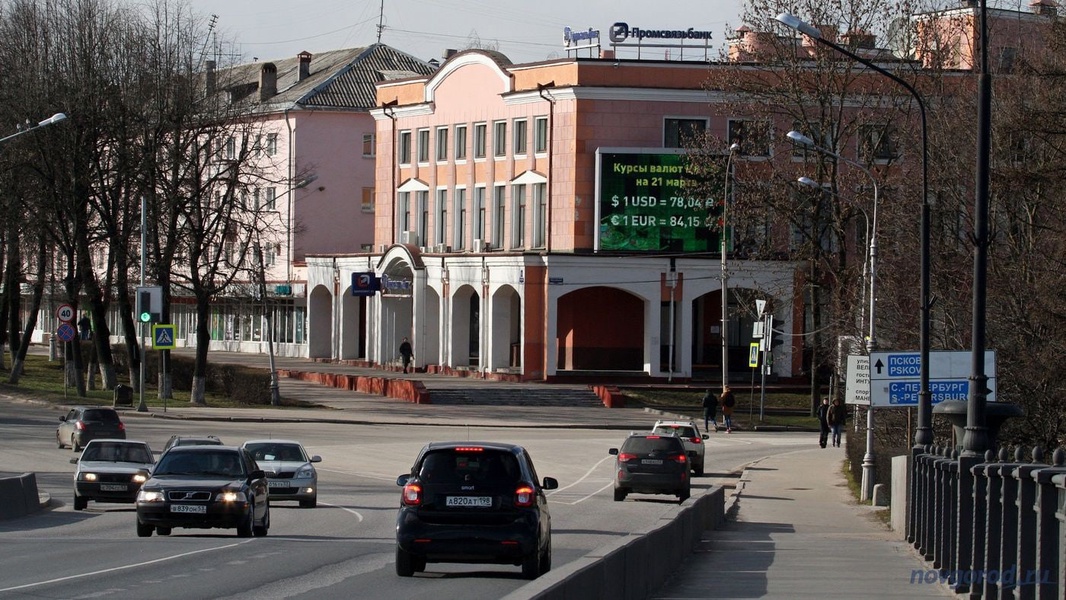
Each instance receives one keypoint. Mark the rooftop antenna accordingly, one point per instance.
(381, 20)
(207, 39)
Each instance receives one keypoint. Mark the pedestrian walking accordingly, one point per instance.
(728, 402)
(823, 422)
(85, 328)
(406, 353)
(836, 417)
(710, 411)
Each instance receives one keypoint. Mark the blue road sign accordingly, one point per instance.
(163, 336)
(895, 377)
(65, 332)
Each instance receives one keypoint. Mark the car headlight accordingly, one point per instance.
(305, 472)
(230, 496)
(140, 478)
(87, 476)
(149, 496)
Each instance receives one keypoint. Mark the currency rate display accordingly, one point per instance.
(643, 205)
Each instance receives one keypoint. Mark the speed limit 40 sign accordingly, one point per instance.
(65, 313)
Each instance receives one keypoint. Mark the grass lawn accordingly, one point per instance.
(789, 410)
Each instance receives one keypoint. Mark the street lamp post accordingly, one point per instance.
(924, 431)
(871, 339)
(45, 123)
(733, 149)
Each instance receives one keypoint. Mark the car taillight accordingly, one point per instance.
(681, 458)
(524, 495)
(696, 440)
(412, 494)
(79, 426)
(625, 456)
(121, 426)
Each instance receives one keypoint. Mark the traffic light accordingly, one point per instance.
(149, 304)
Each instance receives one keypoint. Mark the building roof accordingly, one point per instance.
(336, 79)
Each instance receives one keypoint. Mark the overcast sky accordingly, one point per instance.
(523, 30)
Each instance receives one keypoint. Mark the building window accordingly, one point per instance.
(403, 210)
(442, 215)
(460, 142)
(678, 132)
(231, 148)
(499, 208)
(499, 139)
(423, 145)
(753, 136)
(442, 144)
(459, 239)
(540, 214)
(540, 135)
(876, 143)
(816, 134)
(255, 199)
(479, 214)
(369, 145)
(422, 198)
(270, 196)
(521, 135)
(367, 202)
(480, 135)
(403, 148)
(272, 144)
(518, 229)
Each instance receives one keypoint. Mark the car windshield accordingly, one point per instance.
(461, 466)
(678, 430)
(218, 464)
(107, 416)
(113, 451)
(651, 445)
(276, 451)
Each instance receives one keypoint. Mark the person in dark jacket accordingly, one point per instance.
(837, 415)
(823, 423)
(406, 353)
(710, 411)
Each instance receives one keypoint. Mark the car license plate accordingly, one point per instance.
(651, 461)
(476, 501)
(199, 509)
(112, 487)
(278, 484)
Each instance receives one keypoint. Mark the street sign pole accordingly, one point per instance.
(768, 337)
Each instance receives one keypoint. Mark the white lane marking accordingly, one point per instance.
(122, 568)
(582, 479)
(358, 516)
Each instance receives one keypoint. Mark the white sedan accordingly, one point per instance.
(290, 471)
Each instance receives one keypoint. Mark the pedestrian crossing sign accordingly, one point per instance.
(753, 355)
(163, 336)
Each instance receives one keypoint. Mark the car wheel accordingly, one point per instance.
(162, 530)
(405, 563)
(620, 494)
(313, 502)
(261, 530)
(683, 495)
(546, 558)
(244, 528)
(144, 530)
(531, 565)
(80, 502)
(698, 470)
(74, 444)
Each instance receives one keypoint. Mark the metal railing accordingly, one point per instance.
(991, 526)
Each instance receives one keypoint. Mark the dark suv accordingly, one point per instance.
(473, 502)
(203, 487)
(649, 463)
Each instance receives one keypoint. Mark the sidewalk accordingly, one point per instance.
(797, 535)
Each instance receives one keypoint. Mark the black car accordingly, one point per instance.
(473, 502)
(203, 487)
(84, 423)
(192, 440)
(648, 463)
